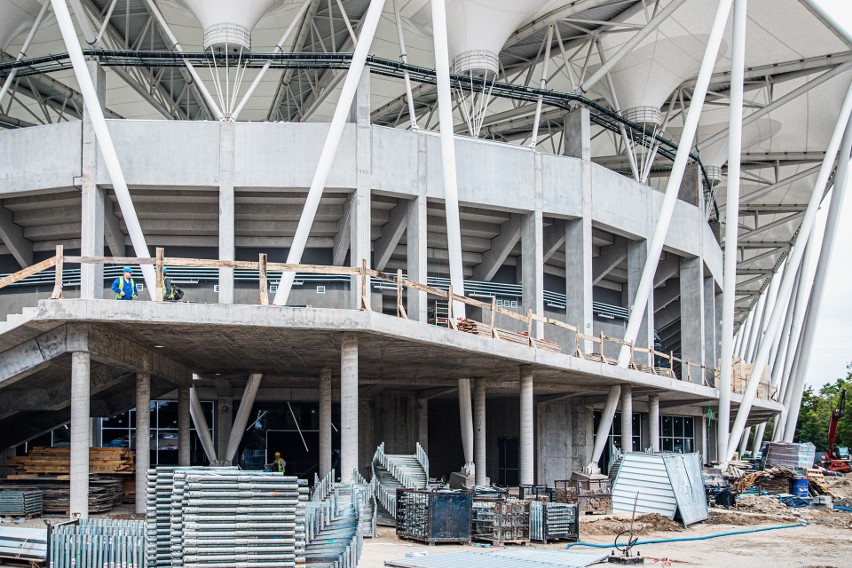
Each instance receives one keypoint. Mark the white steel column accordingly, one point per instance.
(412, 115)
(238, 428)
(527, 442)
(184, 428)
(93, 199)
(227, 229)
(646, 284)
(758, 439)
(732, 213)
(10, 78)
(829, 237)
(480, 439)
(744, 441)
(143, 438)
(602, 434)
(90, 96)
(466, 422)
(324, 421)
(654, 421)
(448, 151)
(329, 149)
(201, 427)
(626, 418)
(348, 407)
(793, 263)
(542, 85)
(80, 434)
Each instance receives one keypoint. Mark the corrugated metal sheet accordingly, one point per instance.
(688, 485)
(502, 559)
(646, 475)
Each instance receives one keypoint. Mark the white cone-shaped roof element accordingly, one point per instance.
(16, 17)
(229, 22)
(646, 77)
(715, 155)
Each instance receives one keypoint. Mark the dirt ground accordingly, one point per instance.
(826, 542)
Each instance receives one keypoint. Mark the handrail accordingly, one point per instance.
(401, 286)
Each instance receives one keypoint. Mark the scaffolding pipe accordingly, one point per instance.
(829, 238)
(409, 96)
(23, 51)
(794, 261)
(480, 440)
(329, 150)
(652, 25)
(279, 48)
(201, 427)
(448, 151)
(202, 88)
(527, 476)
(542, 85)
(143, 439)
(96, 114)
(238, 428)
(646, 283)
(602, 434)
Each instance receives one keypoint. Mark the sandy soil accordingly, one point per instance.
(824, 543)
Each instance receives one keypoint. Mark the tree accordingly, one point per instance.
(816, 410)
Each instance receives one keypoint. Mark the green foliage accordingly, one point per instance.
(816, 410)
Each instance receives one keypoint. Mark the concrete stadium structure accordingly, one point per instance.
(332, 209)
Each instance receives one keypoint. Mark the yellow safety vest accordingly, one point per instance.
(132, 288)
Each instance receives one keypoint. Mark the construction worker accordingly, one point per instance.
(171, 293)
(124, 286)
(278, 464)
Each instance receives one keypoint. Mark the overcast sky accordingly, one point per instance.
(833, 341)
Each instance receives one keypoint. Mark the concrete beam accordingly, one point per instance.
(13, 237)
(343, 236)
(116, 350)
(554, 237)
(501, 246)
(668, 267)
(31, 356)
(608, 259)
(113, 234)
(665, 296)
(392, 233)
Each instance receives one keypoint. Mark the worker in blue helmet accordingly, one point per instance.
(171, 293)
(124, 286)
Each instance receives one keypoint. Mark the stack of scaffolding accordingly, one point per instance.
(500, 521)
(101, 542)
(20, 503)
(553, 521)
(227, 517)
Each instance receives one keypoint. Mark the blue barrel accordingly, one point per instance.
(799, 486)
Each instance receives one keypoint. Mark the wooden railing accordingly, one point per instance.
(588, 347)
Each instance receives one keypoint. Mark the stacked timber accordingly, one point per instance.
(104, 492)
(521, 337)
(57, 461)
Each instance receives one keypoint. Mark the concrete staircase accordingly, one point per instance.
(396, 471)
(16, 320)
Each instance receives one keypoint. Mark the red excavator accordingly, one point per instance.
(836, 458)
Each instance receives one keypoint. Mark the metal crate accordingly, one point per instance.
(536, 493)
(501, 521)
(592, 496)
(554, 521)
(433, 517)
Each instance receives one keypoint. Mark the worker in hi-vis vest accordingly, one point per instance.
(278, 464)
(124, 286)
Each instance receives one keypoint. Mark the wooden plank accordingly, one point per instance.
(157, 293)
(264, 281)
(122, 260)
(29, 271)
(58, 277)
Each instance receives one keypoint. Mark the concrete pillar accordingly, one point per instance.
(227, 242)
(416, 236)
(184, 432)
(479, 443)
(325, 421)
(80, 433)
(637, 255)
(710, 356)
(626, 418)
(527, 442)
(577, 134)
(705, 442)
(92, 220)
(224, 424)
(692, 315)
(578, 276)
(423, 423)
(348, 407)
(654, 421)
(360, 241)
(532, 255)
(466, 421)
(143, 438)
(691, 187)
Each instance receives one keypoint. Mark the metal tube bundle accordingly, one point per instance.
(96, 543)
